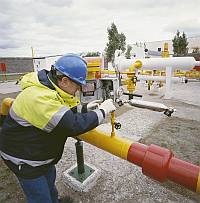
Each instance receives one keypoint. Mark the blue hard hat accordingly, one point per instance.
(73, 66)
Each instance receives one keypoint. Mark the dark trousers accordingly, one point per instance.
(41, 189)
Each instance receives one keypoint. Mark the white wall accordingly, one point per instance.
(50, 61)
(44, 63)
(39, 64)
(137, 51)
(193, 43)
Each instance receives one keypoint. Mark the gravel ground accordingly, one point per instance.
(121, 181)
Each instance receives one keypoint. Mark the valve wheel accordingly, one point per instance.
(117, 125)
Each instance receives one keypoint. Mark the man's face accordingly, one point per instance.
(69, 86)
(74, 87)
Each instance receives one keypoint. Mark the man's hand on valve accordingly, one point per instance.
(107, 106)
(93, 105)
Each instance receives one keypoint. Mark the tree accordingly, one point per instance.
(180, 44)
(90, 54)
(128, 52)
(115, 41)
(122, 42)
(196, 50)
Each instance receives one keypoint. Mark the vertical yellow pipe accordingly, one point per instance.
(165, 53)
(113, 124)
(33, 55)
(130, 83)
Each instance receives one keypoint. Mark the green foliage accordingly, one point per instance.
(180, 44)
(115, 41)
(196, 50)
(128, 52)
(90, 54)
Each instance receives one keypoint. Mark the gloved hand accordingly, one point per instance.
(93, 105)
(107, 106)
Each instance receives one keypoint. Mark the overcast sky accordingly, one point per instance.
(63, 26)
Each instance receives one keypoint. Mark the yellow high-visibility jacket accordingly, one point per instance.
(39, 122)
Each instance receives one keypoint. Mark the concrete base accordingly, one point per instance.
(84, 185)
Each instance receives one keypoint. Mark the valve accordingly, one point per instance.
(134, 79)
(168, 112)
(132, 95)
(120, 102)
(117, 125)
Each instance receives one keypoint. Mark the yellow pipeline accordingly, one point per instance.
(91, 74)
(5, 105)
(137, 64)
(115, 145)
(114, 72)
(108, 71)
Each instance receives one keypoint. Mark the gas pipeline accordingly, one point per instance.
(156, 162)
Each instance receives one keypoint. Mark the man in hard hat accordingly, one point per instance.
(40, 119)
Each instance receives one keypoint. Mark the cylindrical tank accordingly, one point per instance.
(183, 63)
(160, 78)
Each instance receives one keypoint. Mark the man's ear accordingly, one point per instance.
(65, 82)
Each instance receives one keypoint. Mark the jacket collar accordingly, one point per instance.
(42, 77)
(68, 98)
(46, 79)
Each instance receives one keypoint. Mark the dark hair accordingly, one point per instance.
(56, 75)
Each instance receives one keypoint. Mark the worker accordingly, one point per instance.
(41, 119)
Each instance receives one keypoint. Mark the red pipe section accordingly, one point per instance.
(183, 173)
(160, 164)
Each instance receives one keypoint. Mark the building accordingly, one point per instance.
(194, 43)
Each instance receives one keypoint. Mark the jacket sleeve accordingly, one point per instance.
(73, 124)
(80, 108)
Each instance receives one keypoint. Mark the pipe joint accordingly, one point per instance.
(156, 162)
(153, 159)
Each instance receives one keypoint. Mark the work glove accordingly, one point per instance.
(107, 106)
(93, 105)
